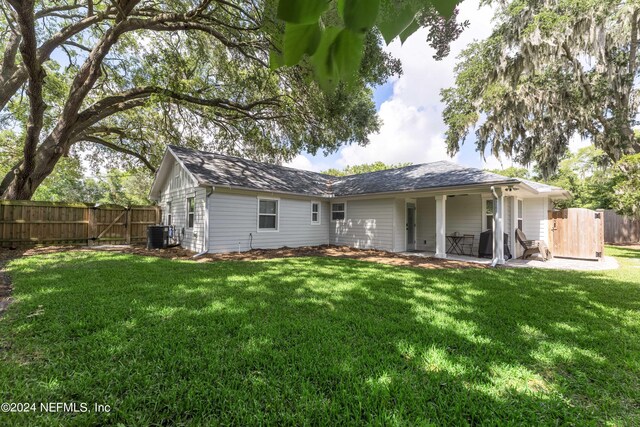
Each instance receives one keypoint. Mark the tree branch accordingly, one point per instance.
(138, 97)
(10, 83)
(118, 148)
(583, 82)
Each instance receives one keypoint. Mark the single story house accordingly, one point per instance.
(220, 203)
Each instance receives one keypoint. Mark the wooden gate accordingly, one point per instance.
(576, 233)
(27, 223)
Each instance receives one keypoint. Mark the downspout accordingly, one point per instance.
(494, 262)
(205, 240)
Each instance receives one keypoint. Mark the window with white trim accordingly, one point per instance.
(520, 214)
(267, 214)
(191, 211)
(315, 213)
(338, 211)
(169, 213)
(488, 214)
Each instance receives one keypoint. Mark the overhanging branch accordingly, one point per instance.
(118, 148)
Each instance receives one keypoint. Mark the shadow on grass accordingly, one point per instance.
(319, 341)
(625, 251)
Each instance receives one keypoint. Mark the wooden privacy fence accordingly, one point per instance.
(620, 228)
(27, 223)
(576, 233)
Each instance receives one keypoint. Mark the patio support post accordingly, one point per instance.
(441, 227)
(498, 226)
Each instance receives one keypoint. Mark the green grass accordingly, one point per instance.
(320, 341)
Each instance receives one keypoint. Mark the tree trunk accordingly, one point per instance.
(23, 186)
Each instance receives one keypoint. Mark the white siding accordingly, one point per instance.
(233, 219)
(464, 216)
(368, 225)
(427, 223)
(178, 187)
(535, 218)
(399, 227)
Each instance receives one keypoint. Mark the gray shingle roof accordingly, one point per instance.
(538, 186)
(417, 177)
(222, 170)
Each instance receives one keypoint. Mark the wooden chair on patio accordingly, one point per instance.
(467, 244)
(532, 247)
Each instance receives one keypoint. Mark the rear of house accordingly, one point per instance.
(219, 203)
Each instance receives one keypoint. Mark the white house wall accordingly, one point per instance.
(399, 227)
(178, 187)
(464, 216)
(426, 221)
(233, 216)
(369, 224)
(535, 218)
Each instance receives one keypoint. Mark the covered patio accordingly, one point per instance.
(450, 225)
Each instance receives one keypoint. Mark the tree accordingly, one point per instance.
(333, 34)
(589, 176)
(512, 172)
(126, 188)
(67, 183)
(626, 186)
(548, 72)
(139, 74)
(364, 168)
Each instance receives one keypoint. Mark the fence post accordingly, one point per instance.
(600, 232)
(127, 225)
(92, 229)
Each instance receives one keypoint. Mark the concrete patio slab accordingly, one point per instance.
(608, 263)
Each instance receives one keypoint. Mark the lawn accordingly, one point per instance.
(318, 341)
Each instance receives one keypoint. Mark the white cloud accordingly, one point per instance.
(407, 136)
(412, 129)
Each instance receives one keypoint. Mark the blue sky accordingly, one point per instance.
(410, 108)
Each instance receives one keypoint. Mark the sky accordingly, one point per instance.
(410, 109)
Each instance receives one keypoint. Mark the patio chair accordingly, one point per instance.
(467, 244)
(532, 246)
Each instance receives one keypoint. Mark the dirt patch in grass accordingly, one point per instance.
(370, 255)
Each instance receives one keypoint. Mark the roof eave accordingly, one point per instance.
(433, 189)
(262, 190)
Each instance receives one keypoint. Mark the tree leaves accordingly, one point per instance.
(300, 39)
(346, 53)
(337, 50)
(301, 11)
(394, 24)
(322, 61)
(445, 7)
(406, 33)
(549, 72)
(359, 15)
